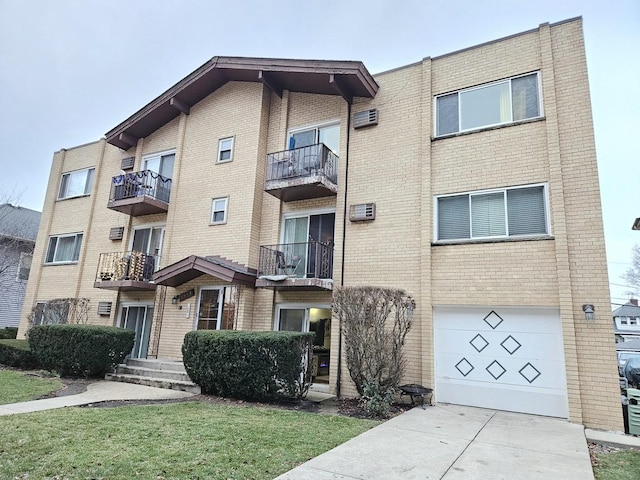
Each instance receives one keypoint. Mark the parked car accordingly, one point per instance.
(623, 357)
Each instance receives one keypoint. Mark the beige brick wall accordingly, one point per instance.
(400, 167)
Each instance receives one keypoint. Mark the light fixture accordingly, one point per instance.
(589, 312)
(174, 300)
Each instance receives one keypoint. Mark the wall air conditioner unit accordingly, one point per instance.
(362, 212)
(104, 308)
(366, 118)
(116, 233)
(127, 163)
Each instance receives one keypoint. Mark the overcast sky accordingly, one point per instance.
(70, 70)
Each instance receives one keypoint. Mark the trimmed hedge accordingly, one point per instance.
(9, 332)
(80, 350)
(263, 366)
(16, 353)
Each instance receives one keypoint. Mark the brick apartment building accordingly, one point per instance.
(245, 193)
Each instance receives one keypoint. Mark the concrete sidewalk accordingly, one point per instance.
(451, 442)
(96, 392)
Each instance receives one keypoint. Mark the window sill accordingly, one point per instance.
(224, 161)
(532, 238)
(53, 264)
(484, 129)
(213, 224)
(71, 198)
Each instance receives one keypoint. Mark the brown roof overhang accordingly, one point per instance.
(328, 77)
(193, 266)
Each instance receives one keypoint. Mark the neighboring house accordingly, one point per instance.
(626, 321)
(244, 194)
(18, 231)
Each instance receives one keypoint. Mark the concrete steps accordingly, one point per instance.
(154, 373)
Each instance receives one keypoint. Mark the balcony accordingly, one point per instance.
(301, 173)
(140, 193)
(302, 266)
(126, 271)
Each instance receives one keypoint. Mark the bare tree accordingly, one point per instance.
(375, 322)
(632, 275)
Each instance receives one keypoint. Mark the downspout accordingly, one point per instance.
(344, 236)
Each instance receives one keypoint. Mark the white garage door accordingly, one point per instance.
(502, 358)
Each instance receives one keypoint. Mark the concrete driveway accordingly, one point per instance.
(452, 442)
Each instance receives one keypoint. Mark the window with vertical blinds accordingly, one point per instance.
(509, 212)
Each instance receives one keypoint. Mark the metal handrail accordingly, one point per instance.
(306, 161)
(139, 184)
(120, 266)
(297, 260)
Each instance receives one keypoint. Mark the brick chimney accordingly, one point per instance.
(633, 301)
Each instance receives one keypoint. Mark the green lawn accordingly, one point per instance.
(622, 465)
(20, 386)
(176, 441)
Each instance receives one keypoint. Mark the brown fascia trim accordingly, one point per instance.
(336, 67)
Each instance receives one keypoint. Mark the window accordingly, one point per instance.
(76, 184)
(64, 248)
(53, 312)
(633, 320)
(498, 103)
(623, 320)
(327, 134)
(24, 266)
(219, 210)
(161, 163)
(225, 149)
(217, 308)
(508, 212)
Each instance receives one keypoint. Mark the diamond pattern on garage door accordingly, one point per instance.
(494, 368)
(508, 358)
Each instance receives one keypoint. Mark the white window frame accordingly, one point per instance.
(58, 237)
(478, 87)
(225, 210)
(221, 296)
(159, 155)
(316, 127)
(88, 183)
(300, 214)
(221, 142)
(296, 306)
(151, 226)
(506, 215)
(20, 267)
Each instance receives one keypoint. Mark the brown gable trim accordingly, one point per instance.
(329, 77)
(193, 266)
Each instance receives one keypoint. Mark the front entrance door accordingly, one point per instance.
(216, 309)
(138, 318)
(310, 319)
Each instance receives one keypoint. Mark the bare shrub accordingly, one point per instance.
(374, 322)
(60, 311)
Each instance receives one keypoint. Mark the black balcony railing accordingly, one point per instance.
(139, 184)
(303, 162)
(297, 260)
(126, 266)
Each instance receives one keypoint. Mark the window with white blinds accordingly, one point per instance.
(508, 212)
